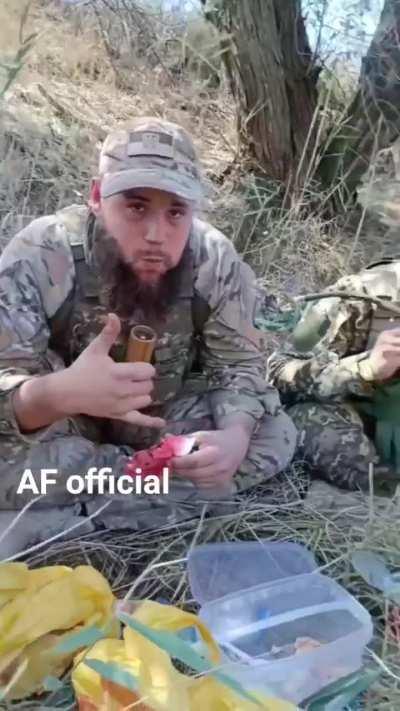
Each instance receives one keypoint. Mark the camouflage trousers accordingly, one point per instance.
(64, 449)
(337, 445)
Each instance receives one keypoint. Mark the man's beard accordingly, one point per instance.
(126, 294)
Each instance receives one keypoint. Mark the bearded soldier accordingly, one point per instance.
(72, 286)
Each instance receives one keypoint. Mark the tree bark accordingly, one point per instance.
(372, 120)
(273, 78)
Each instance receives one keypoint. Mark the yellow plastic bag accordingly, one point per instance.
(158, 686)
(38, 609)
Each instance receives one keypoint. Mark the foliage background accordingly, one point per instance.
(92, 64)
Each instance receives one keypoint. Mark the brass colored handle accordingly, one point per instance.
(141, 343)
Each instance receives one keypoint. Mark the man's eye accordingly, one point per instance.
(177, 213)
(136, 208)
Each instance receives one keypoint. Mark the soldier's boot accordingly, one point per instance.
(333, 443)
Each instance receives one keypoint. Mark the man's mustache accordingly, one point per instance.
(149, 255)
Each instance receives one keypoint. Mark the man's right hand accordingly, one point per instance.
(98, 386)
(384, 359)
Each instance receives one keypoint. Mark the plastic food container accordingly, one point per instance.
(291, 633)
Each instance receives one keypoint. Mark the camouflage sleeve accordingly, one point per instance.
(233, 350)
(321, 359)
(36, 272)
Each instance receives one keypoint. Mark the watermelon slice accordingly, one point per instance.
(153, 460)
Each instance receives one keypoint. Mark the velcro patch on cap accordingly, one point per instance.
(149, 143)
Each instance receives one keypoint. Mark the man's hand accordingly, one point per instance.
(384, 358)
(95, 385)
(220, 454)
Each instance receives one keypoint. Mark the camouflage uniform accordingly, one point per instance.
(318, 376)
(52, 306)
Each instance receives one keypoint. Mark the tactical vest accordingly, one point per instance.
(81, 318)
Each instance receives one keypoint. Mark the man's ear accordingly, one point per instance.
(94, 201)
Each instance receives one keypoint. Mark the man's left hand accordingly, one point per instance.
(220, 454)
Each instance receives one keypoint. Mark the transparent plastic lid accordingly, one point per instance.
(218, 569)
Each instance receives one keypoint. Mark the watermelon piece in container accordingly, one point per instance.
(156, 458)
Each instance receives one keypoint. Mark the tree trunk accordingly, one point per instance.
(372, 121)
(273, 79)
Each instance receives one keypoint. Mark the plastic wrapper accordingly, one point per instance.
(156, 458)
(39, 610)
(138, 670)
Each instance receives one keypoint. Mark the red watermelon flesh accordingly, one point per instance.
(153, 460)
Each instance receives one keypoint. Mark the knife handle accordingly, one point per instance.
(141, 343)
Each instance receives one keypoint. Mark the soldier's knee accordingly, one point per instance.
(323, 424)
(321, 414)
(32, 472)
(44, 468)
(284, 434)
(333, 443)
(274, 442)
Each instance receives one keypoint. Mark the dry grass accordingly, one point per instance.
(65, 100)
(68, 97)
(153, 564)
(62, 106)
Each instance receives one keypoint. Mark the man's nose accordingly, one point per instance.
(155, 232)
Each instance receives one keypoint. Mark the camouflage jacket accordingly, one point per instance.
(344, 331)
(48, 315)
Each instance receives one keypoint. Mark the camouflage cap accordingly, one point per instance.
(150, 153)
